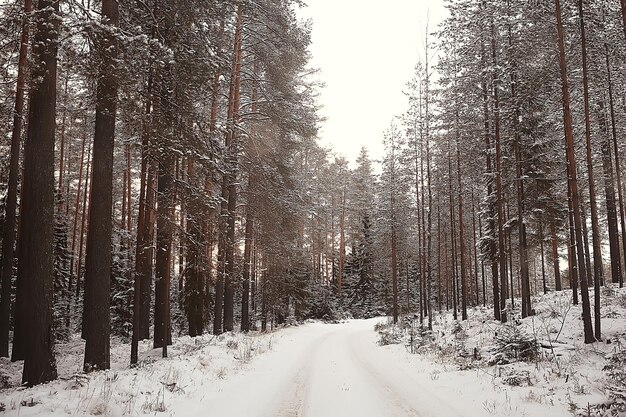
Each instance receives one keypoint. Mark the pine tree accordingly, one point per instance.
(34, 315)
(96, 322)
(9, 223)
(572, 175)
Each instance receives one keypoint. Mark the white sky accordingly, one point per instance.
(366, 51)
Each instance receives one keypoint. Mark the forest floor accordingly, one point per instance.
(473, 368)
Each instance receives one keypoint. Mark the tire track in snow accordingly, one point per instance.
(397, 401)
(298, 385)
(407, 395)
(293, 406)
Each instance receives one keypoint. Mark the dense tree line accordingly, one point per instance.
(158, 138)
(169, 180)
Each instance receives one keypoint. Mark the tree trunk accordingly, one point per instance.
(232, 167)
(618, 170)
(218, 312)
(555, 258)
(474, 241)
(394, 237)
(61, 181)
(543, 260)
(182, 165)
(245, 298)
(79, 189)
(461, 229)
(446, 269)
(129, 193)
(452, 234)
(609, 192)
(36, 240)
(572, 258)
(143, 258)
(219, 282)
(164, 247)
(141, 238)
(394, 269)
(83, 217)
(439, 237)
(423, 290)
(586, 239)
(429, 221)
(247, 260)
(491, 206)
(499, 198)
(97, 297)
(8, 231)
(509, 244)
(342, 242)
(482, 264)
(569, 137)
(166, 196)
(193, 288)
(595, 228)
(519, 172)
(418, 214)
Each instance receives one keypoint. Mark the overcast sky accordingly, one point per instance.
(366, 51)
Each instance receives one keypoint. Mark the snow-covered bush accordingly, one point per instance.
(388, 333)
(419, 337)
(616, 387)
(513, 343)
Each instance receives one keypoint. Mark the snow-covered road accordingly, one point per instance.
(312, 370)
(322, 370)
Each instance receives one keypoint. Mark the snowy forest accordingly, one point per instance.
(162, 176)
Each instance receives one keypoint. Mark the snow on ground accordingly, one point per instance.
(566, 378)
(195, 368)
(327, 370)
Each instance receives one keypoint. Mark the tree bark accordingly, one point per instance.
(164, 246)
(394, 237)
(609, 193)
(461, 229)
(543, 260)
(83, 218)
(232, 168)
(595, 228)
(572, 257)
(571, 157)
(247, 264)
(8, 231)
(166, 196)
(499, 197)
(452, 234)
(193, 288)
(429, 222)
(146, 259)
(394, 269)
(555, 258)
(97, 297)
(618, 170)
(521, 228)
(474, 241)
(491, 206)
(36, 240)
(342, 242)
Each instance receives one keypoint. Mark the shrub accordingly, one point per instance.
(514, 343)
(616, 371)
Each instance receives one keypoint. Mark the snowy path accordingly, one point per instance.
(313, 370)
(325, 371)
